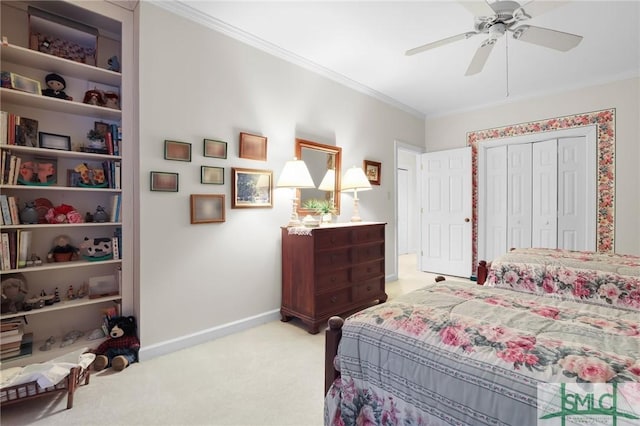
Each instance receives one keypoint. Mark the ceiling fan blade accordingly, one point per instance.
(537, 8)
(553, 39)
(480, 58)
(439, 43)
(478, 7)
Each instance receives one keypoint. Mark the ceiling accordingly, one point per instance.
(363, 44)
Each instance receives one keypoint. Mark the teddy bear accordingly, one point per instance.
(121, 348)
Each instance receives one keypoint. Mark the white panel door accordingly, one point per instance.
(403, 211)
(446, 212)
(545, 195)
(519, 196)
(572, 194)
(496, 202)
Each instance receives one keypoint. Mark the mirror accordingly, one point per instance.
(319, 158)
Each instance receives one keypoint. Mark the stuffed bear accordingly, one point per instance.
(121, 349)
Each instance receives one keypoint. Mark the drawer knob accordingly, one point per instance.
(334, 299)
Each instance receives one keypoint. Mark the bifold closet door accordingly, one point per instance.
(496, 196)
(544, 219)
(519, 196)
(572, 194)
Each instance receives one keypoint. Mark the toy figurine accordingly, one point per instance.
(55, 87)
(114, 64)
(93, 97)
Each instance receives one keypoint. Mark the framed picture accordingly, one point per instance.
(212, 175)
(253, 147)
(373, 170)
(251, 188)
(215, 149)
(73, 178)
(207, 208)
(101, 128)
(52, 141)
(177, 151)
(164, 181)
(25, 84)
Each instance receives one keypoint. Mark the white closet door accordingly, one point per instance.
(545, 194)
(572, 194)
(403, 211)
(519, 196)
(496, 222)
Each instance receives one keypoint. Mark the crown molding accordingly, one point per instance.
(195, 15)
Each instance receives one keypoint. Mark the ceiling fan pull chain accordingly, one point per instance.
(506, 50)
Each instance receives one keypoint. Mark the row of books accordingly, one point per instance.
(17, 130)
(10, 212)
(113, 139)
(14, 342)
(15, 248)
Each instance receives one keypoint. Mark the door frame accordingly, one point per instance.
(416, 151)
(589, 132)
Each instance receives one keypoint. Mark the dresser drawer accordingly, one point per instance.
(367, 271)
(368, 290)
(368, 252)
(333, 302)
(333, 279)
(331, 259)
(329, 238)
(367, 234)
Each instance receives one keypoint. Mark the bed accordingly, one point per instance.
(60, 375)
(460, 354)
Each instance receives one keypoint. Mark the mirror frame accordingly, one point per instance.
(329, 149)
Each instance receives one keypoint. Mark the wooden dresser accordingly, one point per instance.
(331, 270)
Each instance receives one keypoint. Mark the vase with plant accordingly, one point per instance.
(96, 142)
(321, 207)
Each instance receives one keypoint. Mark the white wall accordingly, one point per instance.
(196, 83)
(450, 132)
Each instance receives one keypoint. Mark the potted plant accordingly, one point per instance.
(96, 142)
(322, 207)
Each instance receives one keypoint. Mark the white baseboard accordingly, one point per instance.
(183, 342)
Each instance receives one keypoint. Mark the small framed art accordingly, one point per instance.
(164, 181)
(212, 175)
(101, 128)
(207, 208)
(177, 151)
(251, 188)
(373, 171)
(215, 149)
(253, 147)
(53, 141)
(24, 84)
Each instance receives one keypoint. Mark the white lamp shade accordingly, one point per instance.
(328, 181)
(355, 179)
(295, 175)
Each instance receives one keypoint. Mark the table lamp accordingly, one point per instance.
(295, 175)
(355, 180)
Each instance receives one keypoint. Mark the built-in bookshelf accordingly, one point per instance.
(69, 281)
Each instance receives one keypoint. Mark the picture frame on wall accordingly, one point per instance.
(212, 175)
(164, 181)
(177, 151)
(373, 171)
(253, 147)
(53, 141)
(215, 149)
(251, 188)
(207, 208)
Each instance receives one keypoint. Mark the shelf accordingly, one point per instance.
(38, 356)
(61, 265)
(58, 105)
(57, 188)
(50, 63)
(64, 304)
(61, 225)
(59, 153)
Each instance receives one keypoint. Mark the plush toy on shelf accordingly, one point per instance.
(121, 349)
(55, 87)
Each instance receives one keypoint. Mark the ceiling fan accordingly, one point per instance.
(496, 18)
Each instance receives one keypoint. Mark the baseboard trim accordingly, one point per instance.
(183, 342)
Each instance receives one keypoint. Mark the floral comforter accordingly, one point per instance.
(453, 353)
(603, 278)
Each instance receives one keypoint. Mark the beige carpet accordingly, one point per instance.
(268, 375)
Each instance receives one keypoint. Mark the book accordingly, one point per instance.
(12, 169)
(114, 248)
(6, 213)
(24, 247)
(13, 210)
(6, 261)
(13, 248)
(10, 338)
(16, 175)
(4, 122)
(26, 348)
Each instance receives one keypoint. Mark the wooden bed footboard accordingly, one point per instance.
(31, 390)
(333, 334)
(483, 270)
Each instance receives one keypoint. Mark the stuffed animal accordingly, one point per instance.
(55, 87)
(96, 247)
(121, 349)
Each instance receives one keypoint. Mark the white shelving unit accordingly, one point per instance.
(83, 314)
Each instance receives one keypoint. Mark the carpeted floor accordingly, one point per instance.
(269, 375)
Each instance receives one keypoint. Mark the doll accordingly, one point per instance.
(55, 87)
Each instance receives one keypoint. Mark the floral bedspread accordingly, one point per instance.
(459, 354)
(602, 278)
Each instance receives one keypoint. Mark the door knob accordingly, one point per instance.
(466, 219)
